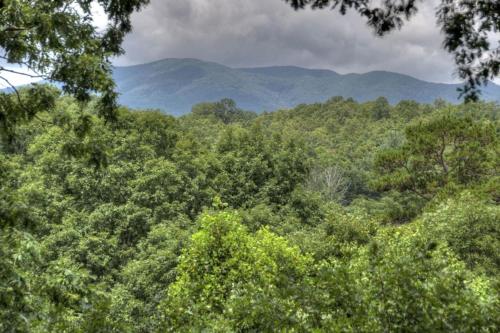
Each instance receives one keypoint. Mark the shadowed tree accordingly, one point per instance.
(441, 150)
(58, 41)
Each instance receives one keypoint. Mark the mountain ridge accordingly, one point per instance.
(174, 85)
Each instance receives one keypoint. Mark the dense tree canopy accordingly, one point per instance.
(467, 27)
(232, 221)
(336, 216)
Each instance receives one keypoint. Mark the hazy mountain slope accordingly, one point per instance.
(363, 87)
(175, 85)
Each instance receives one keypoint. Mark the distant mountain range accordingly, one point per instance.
(175, 85)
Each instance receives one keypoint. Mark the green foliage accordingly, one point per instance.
(58, 41)
(444, 150)
(337, 235)
(232, 280)
(18, 251)
(403, 279)
(145, 279)
(469, 225)
(381, 108)
(225, 110)
(22, 107)
(257, 167)
(154, 223)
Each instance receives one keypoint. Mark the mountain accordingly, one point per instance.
(175, 85)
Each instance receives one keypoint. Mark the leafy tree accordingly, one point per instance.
(230, 280)
(58, 41)
(445, 149)
(397, 283)
(256, 168)
(224, 110)
(469, 225)
(399, 295)
(466, 26)
(40, 98)
(338, 233)
(381, 108)
(145, 279)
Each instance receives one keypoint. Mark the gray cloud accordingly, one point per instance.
(243, 33)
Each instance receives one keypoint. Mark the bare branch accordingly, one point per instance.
(13, 87)
(38, 76)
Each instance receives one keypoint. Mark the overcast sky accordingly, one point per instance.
(247, 33)
(243, 33)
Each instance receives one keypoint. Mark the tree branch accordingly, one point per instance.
(13, 87)
(38, 76)
(20, 101)
(14, 29)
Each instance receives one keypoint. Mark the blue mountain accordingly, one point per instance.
(175, 85)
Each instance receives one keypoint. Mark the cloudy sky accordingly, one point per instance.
(247, 33)
(243, 33)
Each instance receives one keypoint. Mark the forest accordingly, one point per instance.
(336, 216)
